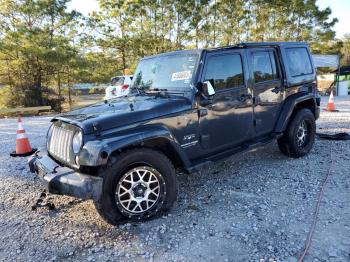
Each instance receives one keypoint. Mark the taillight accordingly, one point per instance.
(125, 87)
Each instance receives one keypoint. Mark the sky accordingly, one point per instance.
(340, 10)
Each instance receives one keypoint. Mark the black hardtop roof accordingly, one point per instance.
(237, 46)
(260, 44)
(292, 43)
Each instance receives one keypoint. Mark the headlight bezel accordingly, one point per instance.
(77, 142)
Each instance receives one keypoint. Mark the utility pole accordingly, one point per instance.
(69, 89)
(214, 23)
(8, 73)
(59, 91)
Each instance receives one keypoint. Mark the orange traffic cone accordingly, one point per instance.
(330, 105)
(23, 147)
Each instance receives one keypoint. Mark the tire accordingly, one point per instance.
(299, 136)
(130, 177)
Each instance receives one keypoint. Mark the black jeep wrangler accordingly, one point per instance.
(186, 109)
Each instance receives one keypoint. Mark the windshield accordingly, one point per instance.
(165, 73)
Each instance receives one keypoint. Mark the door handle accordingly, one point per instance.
(244, 97)
(276, 90)
(202, 112)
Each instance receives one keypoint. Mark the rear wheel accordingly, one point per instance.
(136, 185)
(299, 137)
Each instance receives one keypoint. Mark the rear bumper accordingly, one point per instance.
(62, 180)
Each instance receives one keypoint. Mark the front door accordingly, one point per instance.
(228, 120)
(267, 89)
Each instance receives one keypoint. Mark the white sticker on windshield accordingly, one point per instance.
(183, 75)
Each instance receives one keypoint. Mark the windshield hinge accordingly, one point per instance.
(254, 100)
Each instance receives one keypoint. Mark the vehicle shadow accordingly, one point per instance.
(63, 207)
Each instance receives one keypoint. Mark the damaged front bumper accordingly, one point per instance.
(62, 180)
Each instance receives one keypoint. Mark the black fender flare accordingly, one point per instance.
(97, 152)
(288, 107)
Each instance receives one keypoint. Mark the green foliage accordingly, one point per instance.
(135, 28)
(35, 46)
(345, 50)
(44, 47)
(5, 96)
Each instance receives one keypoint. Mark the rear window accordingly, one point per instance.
(117, 80)
(120, 81)
(298, 61)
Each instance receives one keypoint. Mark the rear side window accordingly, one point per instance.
(117, 80)
(120, 81)
(226, 71)
(264, 66)
(298, 61)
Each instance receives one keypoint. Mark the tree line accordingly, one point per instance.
(45, 48)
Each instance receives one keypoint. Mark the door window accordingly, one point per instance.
(273, 63)
(225, 70)
(264, 66)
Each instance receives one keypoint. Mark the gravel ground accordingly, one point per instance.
(252, 207)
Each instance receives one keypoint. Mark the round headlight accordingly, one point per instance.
(77, 142)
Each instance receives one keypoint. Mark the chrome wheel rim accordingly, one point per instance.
(138, 190)
(302, 133)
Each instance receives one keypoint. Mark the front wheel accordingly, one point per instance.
(299, 137)
(137, 184)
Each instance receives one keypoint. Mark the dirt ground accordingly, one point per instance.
(256, 206)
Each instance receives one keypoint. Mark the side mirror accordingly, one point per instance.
(208, 88)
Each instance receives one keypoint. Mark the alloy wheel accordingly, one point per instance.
(139, 189)
(302, 133)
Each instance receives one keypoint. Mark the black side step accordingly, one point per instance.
(229, 152)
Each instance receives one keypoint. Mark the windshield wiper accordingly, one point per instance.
(140, 90)
(158, 89)
(158, 92)
(166, 92)
(173, 92)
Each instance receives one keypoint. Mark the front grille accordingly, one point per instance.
(60, 144)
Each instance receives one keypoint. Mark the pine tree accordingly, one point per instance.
(34, 44)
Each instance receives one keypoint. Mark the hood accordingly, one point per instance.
(124, 111)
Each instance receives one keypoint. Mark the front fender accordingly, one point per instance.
(97, 152)
(288, 107)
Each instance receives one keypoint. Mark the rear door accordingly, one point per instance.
(267, 88)
(228, 120)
